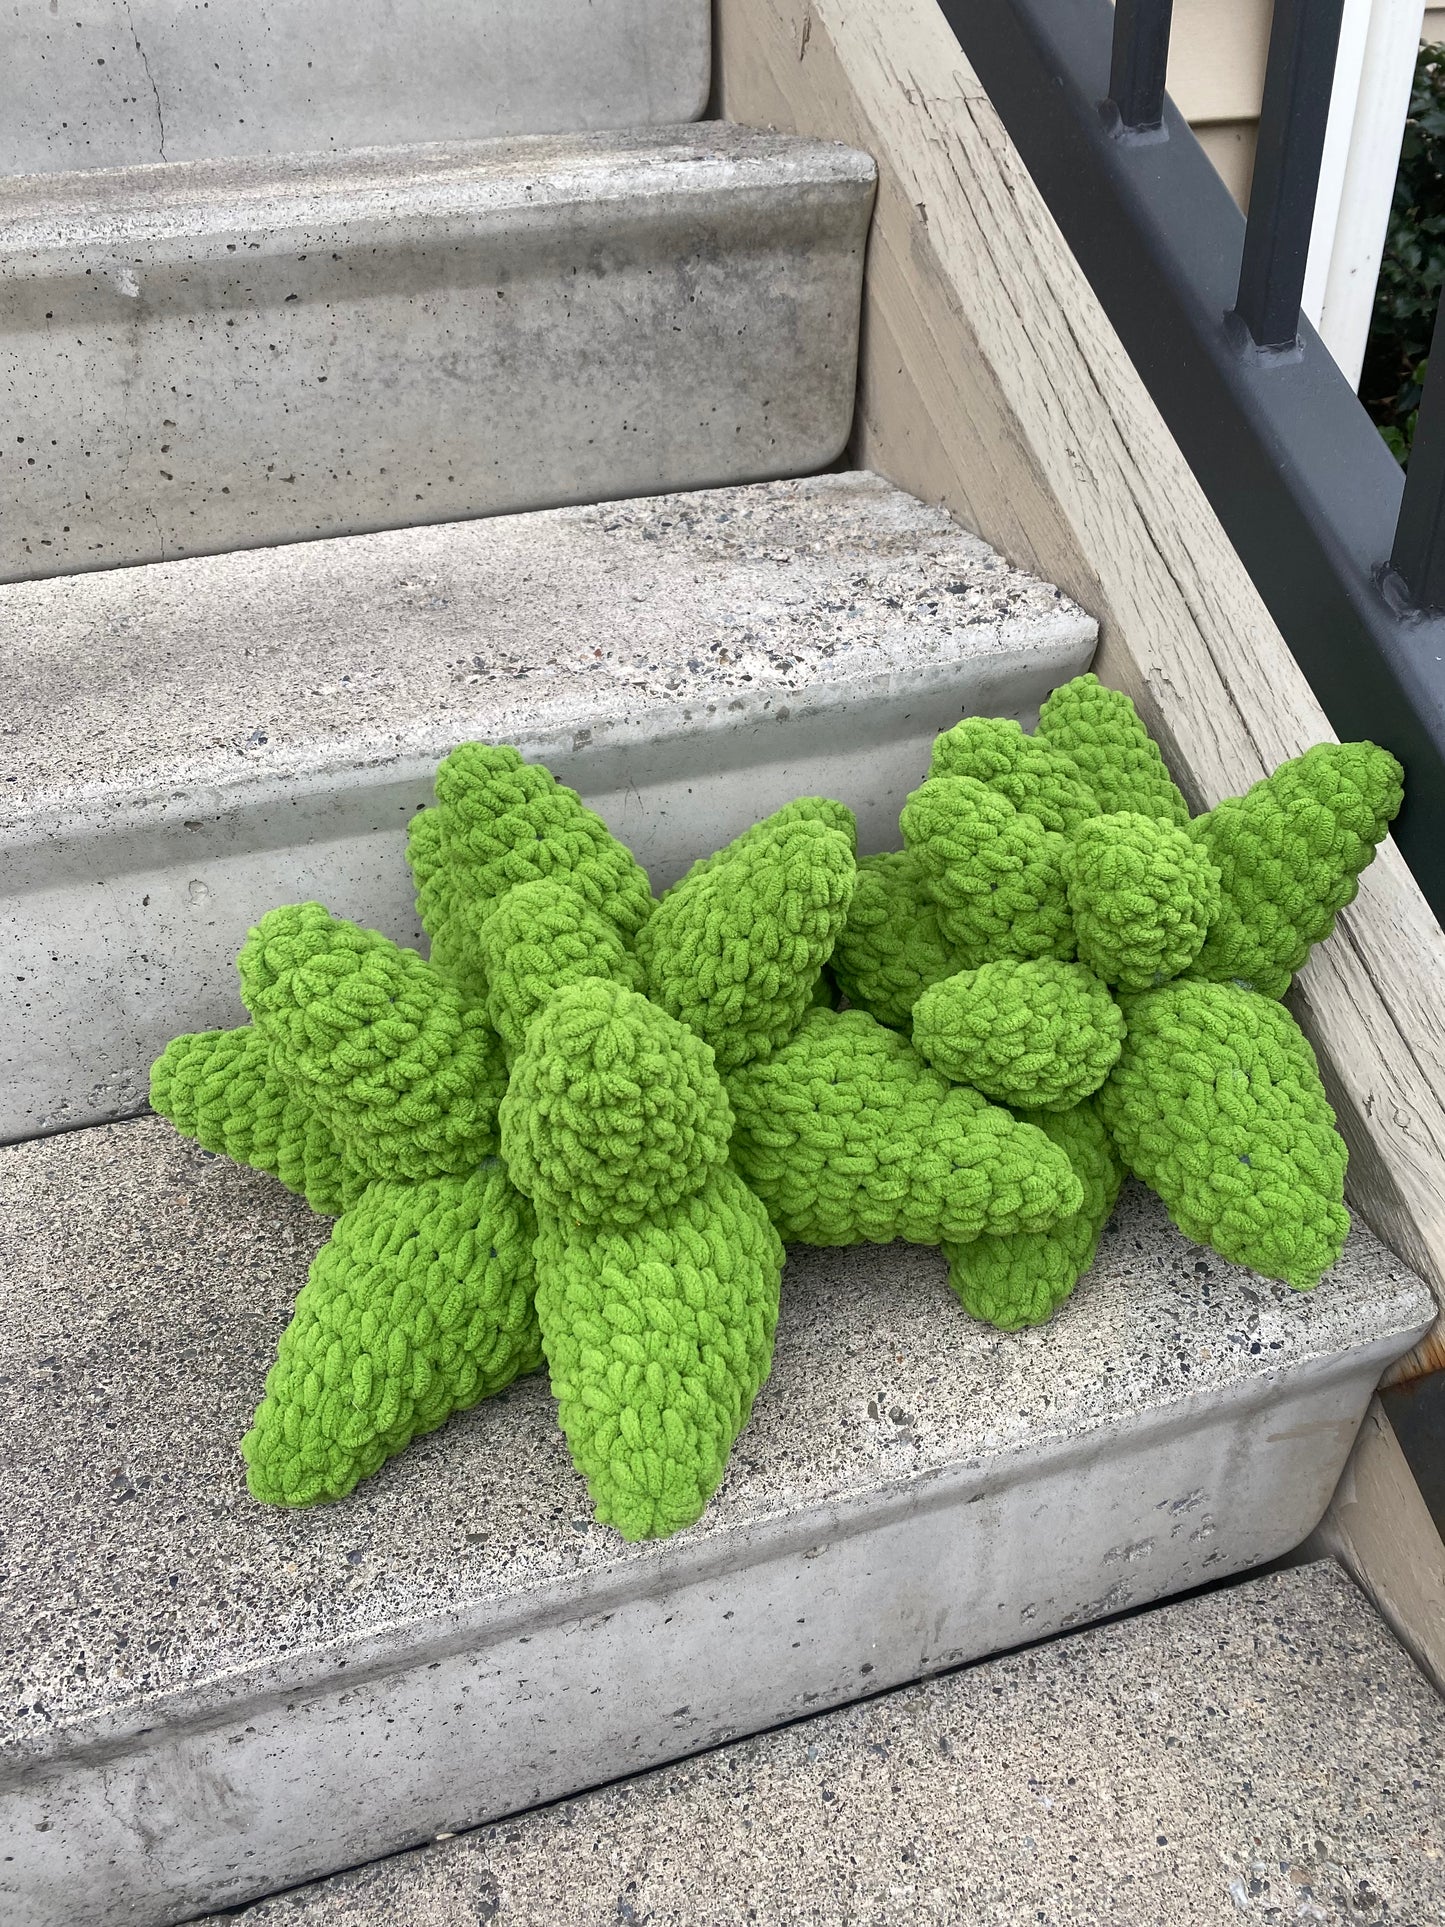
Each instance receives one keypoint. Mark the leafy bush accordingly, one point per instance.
(1413, 268)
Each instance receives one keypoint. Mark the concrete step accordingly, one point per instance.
(1265, 1752)
(188, 744)
(210, 355)
(118, 83)
(204, 1700)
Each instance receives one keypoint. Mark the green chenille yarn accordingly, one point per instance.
(539, 938)
(734, 949)
(1118, 758)
(614, 1111)
(803, 809)
(420, 1305)
(847, 1136)
(404, 1074)
(1143, 893)
(222, 1088)
(1290, 853)
(892, 947)
(1040, 1035)
(1216, 1103)
(658, 1336)
(1033, 774)
(1023, 1278)
(500, 822)
(995, 873)
(452, 938)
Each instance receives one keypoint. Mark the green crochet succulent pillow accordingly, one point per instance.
(1058, 933)
(578, 1135)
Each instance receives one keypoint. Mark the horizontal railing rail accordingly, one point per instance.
(1348, 555)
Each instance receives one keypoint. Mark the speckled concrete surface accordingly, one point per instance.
(1263, 1753)
(274, 350)
(193, 1688)
(118, 83)
(145, 1284)
(186, 745)
(199, 673)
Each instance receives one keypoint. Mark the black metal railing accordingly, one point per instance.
(1348, 555)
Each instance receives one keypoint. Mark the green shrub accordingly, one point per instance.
(1413, 268)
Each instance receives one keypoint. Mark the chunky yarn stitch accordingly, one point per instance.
(1023, 1278)
(803, 809)
(1040, 1034)
(1290, 853)
(1143, 893)
(499, 822)
(540, 937)
(995, 873)
(658, 1336)
(614, 1111)
(1118, 758)
(442, 912)
(406, 1077)
(420, 1305)
(221, 1088)
(1034, 774)
(848, 1136)
(735, 948)
(1216, 1103)
(892, 947)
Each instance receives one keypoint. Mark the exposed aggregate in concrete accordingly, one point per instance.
(145, 1284)
(414, 639)
(1262, 1753)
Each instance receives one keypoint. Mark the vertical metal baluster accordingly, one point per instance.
(1141, 55)
(1418, 557)
(1299, 79)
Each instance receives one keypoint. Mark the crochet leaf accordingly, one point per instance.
(406, 1077)
(803, 809)
(995, 873)
(1100, 729)
(848, 1136)
(420, 1305)
(1290, 852)
(892, 947)
(614, 1111)
(1041, 1035)
(1143, 893)
(658, 1336)
(499, 822)
(1217, 1104)
(1034, 774)
(539, 938)
(735, 948)
(221, 1088)
(1022, 1278)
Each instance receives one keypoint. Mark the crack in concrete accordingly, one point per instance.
(155, 91)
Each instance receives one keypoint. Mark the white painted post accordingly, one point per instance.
(1378, 44)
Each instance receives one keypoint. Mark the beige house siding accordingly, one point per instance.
(1216, 76)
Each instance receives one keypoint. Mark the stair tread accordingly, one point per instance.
(146, 1283)
(290, 348)
(105, 212)
(1263, 1750)
(133, 82)
(215, 669)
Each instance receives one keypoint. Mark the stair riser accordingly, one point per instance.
(117, 83)
(488, 1715)
(124, 924)
(367, 370)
